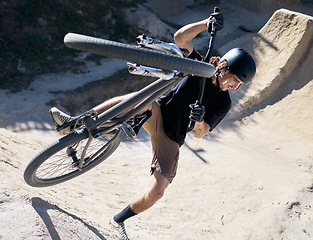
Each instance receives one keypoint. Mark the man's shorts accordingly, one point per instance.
(165, 151)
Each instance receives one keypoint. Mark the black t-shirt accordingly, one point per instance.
(175, 105)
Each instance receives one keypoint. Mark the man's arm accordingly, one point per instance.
(184, 35)
(201, 129)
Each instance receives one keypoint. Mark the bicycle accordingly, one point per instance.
(94, 139)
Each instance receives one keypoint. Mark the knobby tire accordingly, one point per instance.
(140, 55)
(53, 165)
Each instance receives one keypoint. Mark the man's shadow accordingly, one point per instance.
(41, 208)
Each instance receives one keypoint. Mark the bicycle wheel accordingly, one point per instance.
(139, 55)
(59, 162)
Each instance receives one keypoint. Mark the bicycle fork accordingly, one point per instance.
(71, 152)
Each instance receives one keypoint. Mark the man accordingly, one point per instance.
(171, 114)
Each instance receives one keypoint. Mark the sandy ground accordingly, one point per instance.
(252, 178)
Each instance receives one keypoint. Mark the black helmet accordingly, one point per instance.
(240, 62)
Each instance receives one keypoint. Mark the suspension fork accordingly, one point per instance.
(91, 127)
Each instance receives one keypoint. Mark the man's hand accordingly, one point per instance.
(197, 112)
(216, 21)
(201, 129)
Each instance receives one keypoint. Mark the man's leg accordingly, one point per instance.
(61, 118)
(155, 191)
(110, 103)
(157, 185)
(165, 159)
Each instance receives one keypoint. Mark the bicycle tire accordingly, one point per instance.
(139, 55)
(44, 171)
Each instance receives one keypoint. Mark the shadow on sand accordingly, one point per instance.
(42, 208)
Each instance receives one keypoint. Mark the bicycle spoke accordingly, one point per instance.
(62, 163)
(51, 168)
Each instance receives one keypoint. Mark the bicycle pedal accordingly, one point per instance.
(128, 131)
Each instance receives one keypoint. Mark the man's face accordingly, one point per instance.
(228, 80)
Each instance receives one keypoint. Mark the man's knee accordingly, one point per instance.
(155, 194)
(158, 185)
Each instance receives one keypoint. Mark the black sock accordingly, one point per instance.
(124, 214)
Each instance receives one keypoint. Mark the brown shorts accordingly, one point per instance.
(165, 150)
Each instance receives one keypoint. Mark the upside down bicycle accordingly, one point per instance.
(94, 139)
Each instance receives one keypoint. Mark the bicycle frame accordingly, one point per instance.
(140, 100)
(136, 102)
(145, 96)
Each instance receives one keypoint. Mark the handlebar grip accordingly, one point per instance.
(191, 125)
